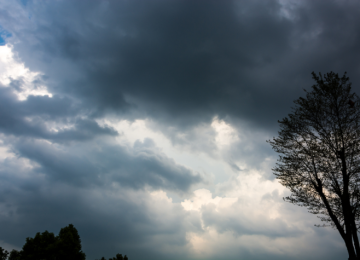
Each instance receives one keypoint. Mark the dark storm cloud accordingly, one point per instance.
(108, 221)
(28, 118)
(185, 61)
(83, 164)
(98, 164)
(179, 63)
(101, 188)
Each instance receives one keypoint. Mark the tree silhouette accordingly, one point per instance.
(319, 146)
(14, 255)
(117, 257)
(47, 246)
(42, 246)
(69, 244)
(3, 253)
(65, 246)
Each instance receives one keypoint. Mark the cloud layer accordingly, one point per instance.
(144, 123)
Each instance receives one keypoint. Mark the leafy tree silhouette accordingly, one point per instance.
(117, 257)
(68, 244)
(14, 255)
(47, 246)
(319, 146)
(42, 246)
(65, 246)
(3, 253)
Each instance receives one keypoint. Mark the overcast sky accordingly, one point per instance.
(144, 123)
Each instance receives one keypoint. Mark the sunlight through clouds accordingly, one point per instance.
(226, 135)
(204, 197)
(25, 82)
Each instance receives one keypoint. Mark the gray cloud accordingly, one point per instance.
(103, 189)
(109, 221)
(178, 64)
(29, 118)
(99, 164)
(186, 61)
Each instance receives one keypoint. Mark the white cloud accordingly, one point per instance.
(13, 71)
(204, 197)
(226, 134)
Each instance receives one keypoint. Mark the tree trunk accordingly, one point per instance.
(355, 237)
(348, 216)
(350, 247)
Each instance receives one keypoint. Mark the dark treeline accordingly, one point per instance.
(65, 246)
(117, 257)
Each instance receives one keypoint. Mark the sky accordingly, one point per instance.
(144, 123)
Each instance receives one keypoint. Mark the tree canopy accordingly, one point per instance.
(65, 246)
(14, 255)
(117, 257)
(68, 244)
(319, 146)
(42, 246)
(3, 254)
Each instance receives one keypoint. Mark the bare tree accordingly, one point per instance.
(319, 146)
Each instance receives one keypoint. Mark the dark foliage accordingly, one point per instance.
(319, 145)
(47, 246)
(3, 254)
(42, 246)
(65, 246)
(69, 244)
(117, 257)
(14, 255)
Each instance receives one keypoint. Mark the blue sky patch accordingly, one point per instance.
(24, 2)
(3, 35)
